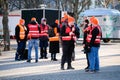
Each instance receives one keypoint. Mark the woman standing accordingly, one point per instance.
(43, 38)
(54, 40)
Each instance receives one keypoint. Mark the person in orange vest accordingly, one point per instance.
(64, 21)
(93, 39)
(44, 38)
(33, 35)
(21, 38)
(54, 40)
(68, 34)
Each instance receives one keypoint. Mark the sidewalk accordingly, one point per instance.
(49, 70)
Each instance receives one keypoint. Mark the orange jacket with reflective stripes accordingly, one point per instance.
(98, 37)
(44, 30)
(68, 38)
(33, 31)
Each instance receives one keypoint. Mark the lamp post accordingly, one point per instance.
(58, 9)
(43, 6)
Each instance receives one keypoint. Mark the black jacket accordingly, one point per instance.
(95, 32)
(85, 34)
(67, 34)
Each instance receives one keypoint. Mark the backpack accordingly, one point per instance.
(77, 31)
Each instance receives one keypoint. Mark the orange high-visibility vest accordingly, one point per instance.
(98, 37)
(55, 38)
(22, 31)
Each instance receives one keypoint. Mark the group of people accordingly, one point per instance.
(65, 31)
(91, 43)
(37, 36)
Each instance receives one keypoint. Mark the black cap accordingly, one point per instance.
(87, 21)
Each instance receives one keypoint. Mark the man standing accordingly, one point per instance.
(43, 39)
(21, 38)
(68, 34)
(33, 35)
(93, 39)
(85, 45)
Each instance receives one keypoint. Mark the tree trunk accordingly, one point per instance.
(75, 10)
(5, 25)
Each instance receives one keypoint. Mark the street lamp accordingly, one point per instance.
(43, 6)
(59, 10)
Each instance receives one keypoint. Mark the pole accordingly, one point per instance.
(59, 11)
(44, 12)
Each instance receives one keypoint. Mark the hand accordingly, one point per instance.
(18, 41)
(88, 49)
(73, 29)
(45, 31)
(57, 34)
(71, 33)
(83, 45)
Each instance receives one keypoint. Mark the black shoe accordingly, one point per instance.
(51, 59)
(73, 59)
(36, 61)
(41, 58)
(55, 60)
(45, 57)
(86, 70)
(17, 59)
(96, 71)
(91, 71)
(70, 68)
(29, 61)
(62, 68)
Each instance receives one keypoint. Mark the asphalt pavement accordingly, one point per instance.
(46, 69)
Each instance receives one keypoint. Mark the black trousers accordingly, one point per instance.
(67, 53)
(20, 50)
(53, 55)
(88, 64)
(43, 52)
(86, 52)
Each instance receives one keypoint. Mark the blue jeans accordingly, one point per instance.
(31, 43)
(94, 58)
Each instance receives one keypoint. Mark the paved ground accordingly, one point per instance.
(48, 70)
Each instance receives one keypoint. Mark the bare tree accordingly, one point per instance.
(103, 3)
(78, 6)
(33, 3)
(106, 3)
(4, 4)
(15, 4)
(20, 4)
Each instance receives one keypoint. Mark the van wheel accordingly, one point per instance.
(106, 40)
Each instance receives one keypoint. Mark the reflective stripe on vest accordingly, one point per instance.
(33, 31)
(22, 31)
(44, 31)
(55, 38)
(68, 38)
(89, 36)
